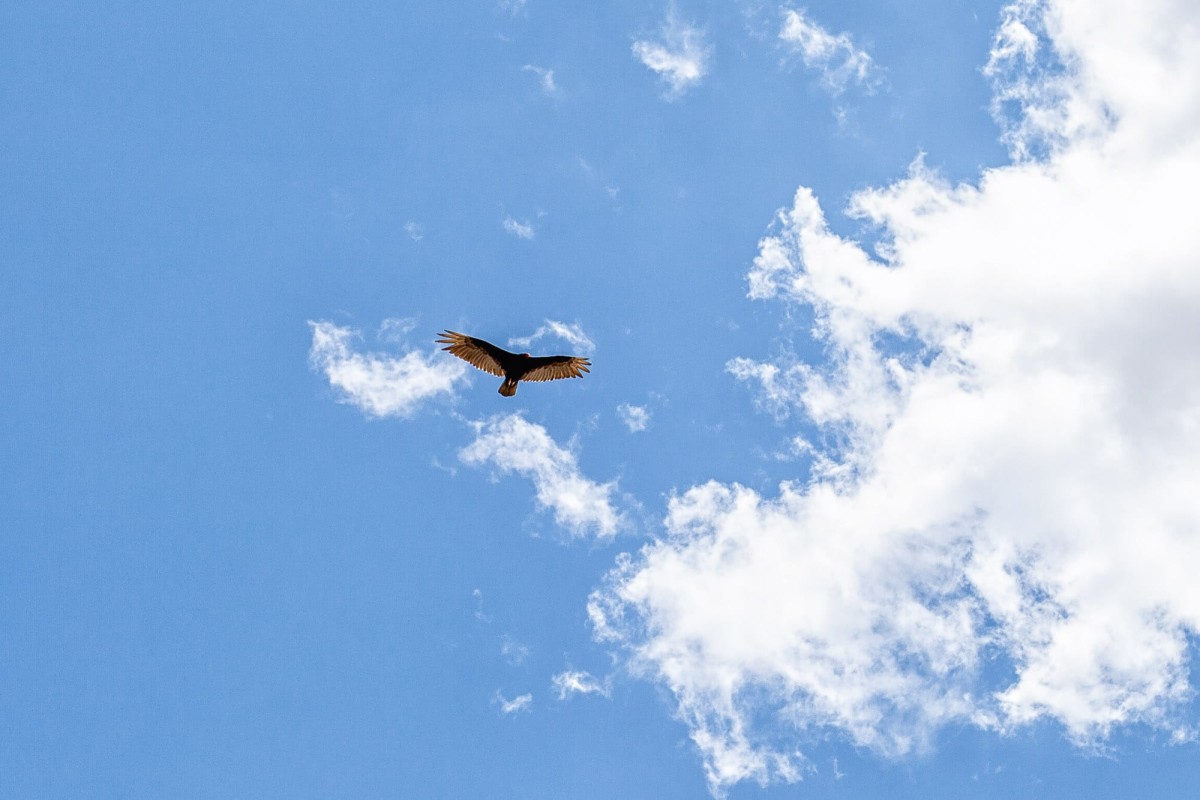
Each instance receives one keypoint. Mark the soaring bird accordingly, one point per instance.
(512, 367)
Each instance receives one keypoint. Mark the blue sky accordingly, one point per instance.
(881, 484)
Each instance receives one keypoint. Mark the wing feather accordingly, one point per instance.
(476, 352)
(551, 368)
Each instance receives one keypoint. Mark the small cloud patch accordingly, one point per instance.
(380, 384)
(839, 61)
(680, 57)
(515, 706)
(522, 229)
(636, 418)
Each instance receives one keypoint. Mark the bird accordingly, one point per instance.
(512, 367)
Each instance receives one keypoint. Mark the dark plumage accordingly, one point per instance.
(512, 367)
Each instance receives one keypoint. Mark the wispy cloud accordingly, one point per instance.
(1005, 529)
(513, 651)
(379, 384)
(1042, 101)
(593, 177)
(636, 418)
(513, 444)
(507, 707)
(545, 78)
(680, 58)
(396, 329)
(836, 57)
(572, 333)
(480, 614)
(414, 230)
(569, 682)
(780, 385)
(520, 229)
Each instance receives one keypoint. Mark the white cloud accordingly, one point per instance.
(779, 385)
(396, 329)
(381, 385)
(680, 59)
(636, 418)
(545, 78)
(836, 57)
(1003, 528)
(516, 705)
(518, 228)
(512, 444)
(572, 333)
(414, 230)
(570, 682)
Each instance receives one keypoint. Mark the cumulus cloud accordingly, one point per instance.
(513, 444)
(379, 384)
(636, 418)
(522, 229)
(836, 57)
(680, 58)
(569, 682)
(516, 705)
(572, 333)
(1000, 526)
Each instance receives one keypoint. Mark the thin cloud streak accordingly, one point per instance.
(545, 79)
(572, 333)
(515, 706)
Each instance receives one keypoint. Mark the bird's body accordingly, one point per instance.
(512, 367)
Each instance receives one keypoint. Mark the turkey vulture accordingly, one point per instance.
(512, 367)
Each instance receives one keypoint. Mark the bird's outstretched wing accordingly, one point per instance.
(476, 352)
(551, 368)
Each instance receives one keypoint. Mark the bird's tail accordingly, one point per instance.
(508, 388)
